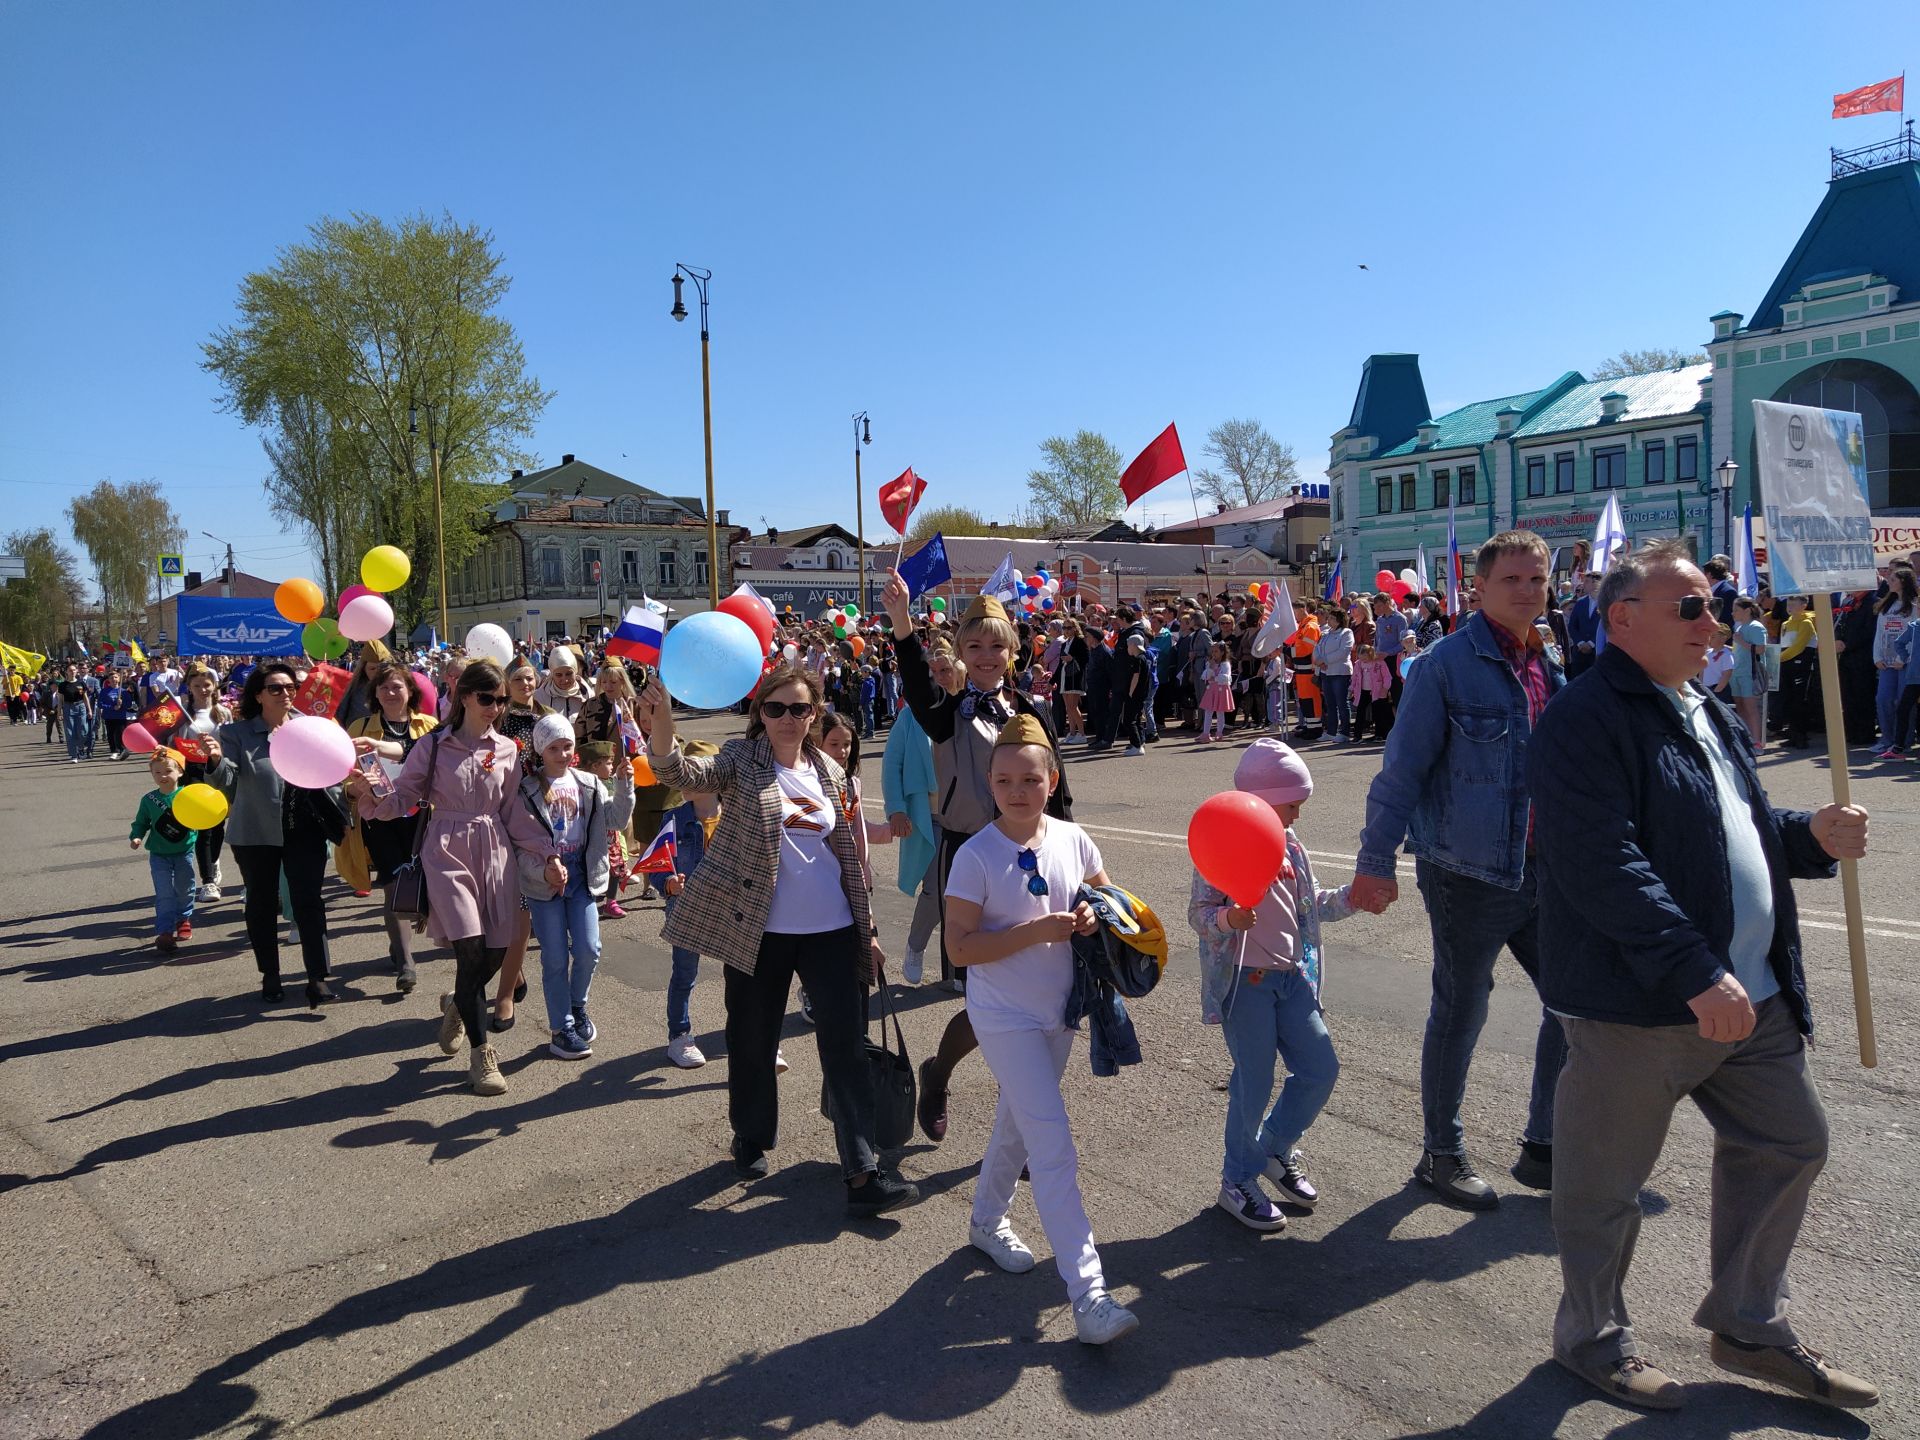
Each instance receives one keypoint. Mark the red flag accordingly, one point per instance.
(1887, 95)
(1159, 462)
(898, 497)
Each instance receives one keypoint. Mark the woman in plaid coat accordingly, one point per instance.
(780, 893)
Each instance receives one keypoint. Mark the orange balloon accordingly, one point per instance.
(643, 771)
(299, 601)
(859, 646)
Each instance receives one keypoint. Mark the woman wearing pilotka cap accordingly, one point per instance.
(780, 892)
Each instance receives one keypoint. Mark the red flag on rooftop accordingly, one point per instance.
(899, 496)
(1870, 99)
(1159, 462)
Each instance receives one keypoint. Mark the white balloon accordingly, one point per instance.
(490, 642)
(1410, 576)
(790, 651)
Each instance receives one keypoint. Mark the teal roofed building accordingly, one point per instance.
(1839, 327)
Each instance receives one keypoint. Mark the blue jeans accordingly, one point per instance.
(690, 841)
(1471, 920)
(1275, 1015)
(1339, 715)
(1886, 703)
(568, 929)
(78, 729)
(173, 890)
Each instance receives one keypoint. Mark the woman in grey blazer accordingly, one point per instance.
(276, 828)
(780, 892)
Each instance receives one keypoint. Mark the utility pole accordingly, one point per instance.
(226, 576)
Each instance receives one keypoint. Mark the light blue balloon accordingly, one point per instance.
(710, 661)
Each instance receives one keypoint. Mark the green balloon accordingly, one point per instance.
(937, 603)
(322, 638)
(852, 611)
(839, 632)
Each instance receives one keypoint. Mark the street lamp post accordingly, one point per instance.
(682, 273)
(862, 435)
(1725, 472)
(439, 506)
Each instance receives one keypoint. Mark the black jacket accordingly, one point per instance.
(1636, 909)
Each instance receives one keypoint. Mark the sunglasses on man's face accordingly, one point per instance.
(1688, 607)
(780, 709)
(1030, 864)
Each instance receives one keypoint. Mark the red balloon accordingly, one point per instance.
(1385, 580)
(136, 740)
(745, 607)
(1400, 590)
(1238, 845)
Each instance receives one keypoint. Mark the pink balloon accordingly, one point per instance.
(311, 753)
(349, 595)
(136, 739)
(366, 617)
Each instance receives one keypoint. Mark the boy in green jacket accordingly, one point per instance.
(170, 847)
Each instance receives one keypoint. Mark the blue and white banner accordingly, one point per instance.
(211, 625)
(1813, 480)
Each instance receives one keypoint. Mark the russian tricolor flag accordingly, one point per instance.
(659, 856)
(638, 636)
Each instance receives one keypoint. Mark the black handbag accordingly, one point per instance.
(407, 895)
(894, 1087)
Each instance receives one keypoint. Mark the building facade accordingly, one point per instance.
(573, 545)
(1287, 529)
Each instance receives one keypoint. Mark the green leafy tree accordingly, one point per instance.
(35, 613)
(124, 529)
(1253, 465)
(1078, 485)
(1644, 362)
(361, 350)
(959, 520)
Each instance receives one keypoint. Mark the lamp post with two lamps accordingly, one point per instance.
(681, 274)
(1726, 472)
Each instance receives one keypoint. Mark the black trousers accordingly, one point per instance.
(207, 852)
(829, 966)
(303, 859)
(475, 965)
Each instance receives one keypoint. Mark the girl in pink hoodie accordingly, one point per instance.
(1373, 685)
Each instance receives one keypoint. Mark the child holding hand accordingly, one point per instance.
(170, 851)
(1260, 973)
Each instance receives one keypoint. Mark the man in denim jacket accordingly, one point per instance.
(1453, 786)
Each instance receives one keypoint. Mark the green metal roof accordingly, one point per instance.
(1469, 425)
(1651, 396)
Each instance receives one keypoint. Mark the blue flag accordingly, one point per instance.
(926, 567)
(1335, 587)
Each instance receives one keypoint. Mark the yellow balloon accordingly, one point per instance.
(385, 568)
(199, 807)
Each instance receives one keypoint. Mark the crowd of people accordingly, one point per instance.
(1557, 759)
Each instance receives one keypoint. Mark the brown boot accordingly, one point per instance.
(453, 1030)
(1796, 1368)
(483, 1071)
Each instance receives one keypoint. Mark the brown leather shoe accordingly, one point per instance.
(1631, 1380)
(1796, 1368)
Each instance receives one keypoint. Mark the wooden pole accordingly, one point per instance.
(1842, 790)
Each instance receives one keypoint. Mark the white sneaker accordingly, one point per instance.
(1100, 1318)
(683, 1052)
(1133, 750)
(914, 968)
(1002, 1246)
(780, 1066)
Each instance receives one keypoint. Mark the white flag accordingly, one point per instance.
(1000, 584)
(1609, 535)
(1420, 566)
(1279, 625)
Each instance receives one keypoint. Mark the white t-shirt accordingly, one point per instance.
(1028, 989)
(563, 808)
(808, 898)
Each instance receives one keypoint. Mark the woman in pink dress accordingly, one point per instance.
(469, 776)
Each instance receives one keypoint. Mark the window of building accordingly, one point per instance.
(1686, 460)
(1409, 500)
(1563, 474)
(668, 569)
(551, 573)
(629, 567)
(833, 560)
(1609, 468)
(589, 557)
(1339, 494)
(1653, 463)
(1383, 502)
(1442, 486)
(1467, 478)
(1536, 475)
(700, 568)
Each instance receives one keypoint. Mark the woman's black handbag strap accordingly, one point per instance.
(421, 812)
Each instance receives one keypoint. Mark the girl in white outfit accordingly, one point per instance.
(1011, 915)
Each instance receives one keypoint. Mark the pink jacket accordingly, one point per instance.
(1371, 677)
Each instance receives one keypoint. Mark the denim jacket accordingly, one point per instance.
(1453, 783)
(1111, 1041)
(1220, 947)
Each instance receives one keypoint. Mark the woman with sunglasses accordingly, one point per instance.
(275, 829)
(1749, 684)
(470, 774)
(770, 903)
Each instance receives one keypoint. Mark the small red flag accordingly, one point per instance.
(899, 496)
(1159, 462)
(1868, 99)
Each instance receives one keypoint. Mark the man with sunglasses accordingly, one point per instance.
(1670, 948)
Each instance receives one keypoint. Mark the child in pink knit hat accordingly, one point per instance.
(1260, 974)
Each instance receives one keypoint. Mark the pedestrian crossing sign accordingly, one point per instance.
(172, 566)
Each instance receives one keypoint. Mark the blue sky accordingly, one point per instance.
(984, 224)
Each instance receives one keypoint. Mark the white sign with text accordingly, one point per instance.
(1813, 487)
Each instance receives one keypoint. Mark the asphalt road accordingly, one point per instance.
(219, 1218)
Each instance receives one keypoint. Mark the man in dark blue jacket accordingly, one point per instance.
(1670, 948)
